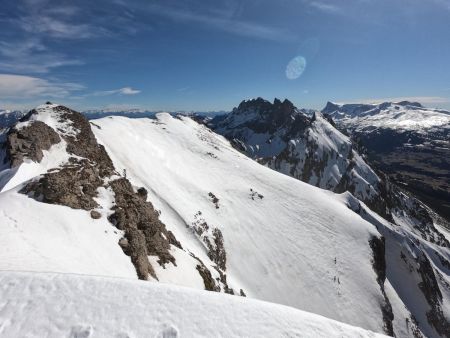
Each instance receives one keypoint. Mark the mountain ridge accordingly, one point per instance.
(284, 241)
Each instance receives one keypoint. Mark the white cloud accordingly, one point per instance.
(27, 87)
(120, 91)
(31, 56)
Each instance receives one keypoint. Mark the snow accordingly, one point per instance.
(280, 248)
(54, 157)
(43, 237)
(403, 281)
(392, 116)
(296, 245)
(53, 118)
(55, 305)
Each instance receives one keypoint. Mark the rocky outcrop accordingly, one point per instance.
(29, 141)
(74, 185)
(145, 234)
(212, 239)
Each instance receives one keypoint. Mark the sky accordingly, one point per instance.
(210, 55)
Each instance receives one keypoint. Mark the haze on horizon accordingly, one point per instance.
(192, 55)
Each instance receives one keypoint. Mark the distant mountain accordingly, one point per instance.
(409, 142)
(139, 113)
(9, 118)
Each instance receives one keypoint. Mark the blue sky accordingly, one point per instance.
(209, 55)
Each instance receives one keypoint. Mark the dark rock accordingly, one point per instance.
(208, 280)
(29, 142)
(143, 229)
(213, 243)
(125, 245)
(73, 185)
(95, 214)
(84, 144)
(379, 265)
(433, 295)
(214, 199)
(143, 193)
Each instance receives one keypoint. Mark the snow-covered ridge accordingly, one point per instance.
(390, 115)
(240, 227)
(55, 305)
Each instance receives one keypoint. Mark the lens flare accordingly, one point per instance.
(295, 67)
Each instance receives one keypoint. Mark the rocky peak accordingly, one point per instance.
(263, 116)
(76, 182)
(410, 103)
(330, 108)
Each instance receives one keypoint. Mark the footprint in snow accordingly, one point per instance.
(169, 332)
(81, 331)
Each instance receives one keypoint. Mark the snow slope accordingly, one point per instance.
(284, 241)
(52, 305)
(311, 149)
(44, 237)
(297, 245)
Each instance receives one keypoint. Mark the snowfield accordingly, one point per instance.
(285, 241)
(56, 305)
(296, 245)
(405, 116)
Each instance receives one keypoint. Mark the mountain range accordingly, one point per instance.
(267, 202)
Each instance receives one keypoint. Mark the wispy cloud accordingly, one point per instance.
(56, 28)
(221, 20)
(31, 56)
(120, 91)
(55, 20)
(325, 7)
(27, 87)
